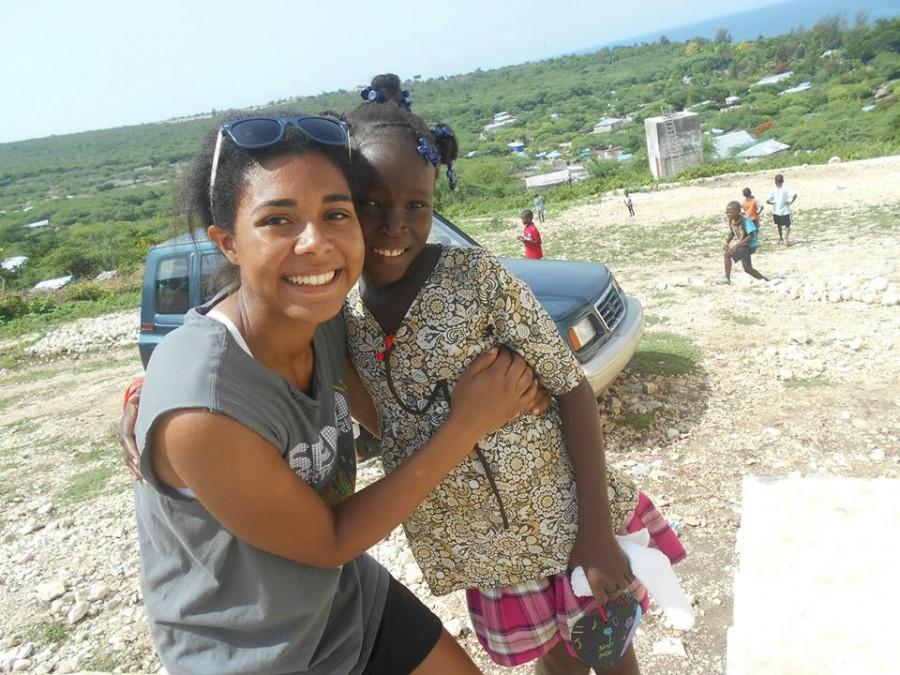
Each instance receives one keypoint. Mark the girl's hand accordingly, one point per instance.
(495, 388)
(605, 565)
(127, 440)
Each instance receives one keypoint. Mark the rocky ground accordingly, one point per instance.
(799, 376)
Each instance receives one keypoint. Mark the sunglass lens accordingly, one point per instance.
(323, 130)
(256, 133)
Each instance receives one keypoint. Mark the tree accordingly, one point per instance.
(663, 40)
(723, 36)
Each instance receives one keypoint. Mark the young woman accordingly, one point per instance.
(252, 540)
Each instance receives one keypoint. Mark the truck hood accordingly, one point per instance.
(562, 286)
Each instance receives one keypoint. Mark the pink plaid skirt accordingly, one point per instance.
(517, 624)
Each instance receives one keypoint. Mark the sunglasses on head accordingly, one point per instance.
(262, 132)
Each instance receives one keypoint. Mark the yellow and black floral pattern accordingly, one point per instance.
(469, 304)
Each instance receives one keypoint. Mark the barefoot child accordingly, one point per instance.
(506, 525)
(743, 229)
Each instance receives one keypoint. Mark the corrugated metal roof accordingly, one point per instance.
(764, 149)
(726, 144)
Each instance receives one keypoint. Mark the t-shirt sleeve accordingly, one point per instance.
(522, 324)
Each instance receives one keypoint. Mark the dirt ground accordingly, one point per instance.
(734, 380)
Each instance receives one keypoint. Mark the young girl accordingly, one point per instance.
(252, 542)
(505, 524)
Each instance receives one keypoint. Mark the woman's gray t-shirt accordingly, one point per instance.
(216, 604)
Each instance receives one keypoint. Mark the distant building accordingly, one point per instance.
(52, 284)
(764, 149)
(608, 124)
(803, 86)
(547, 179)
(13, 263)
(38, 223)
(674, 143)
(732, 100)
(727, 145)
(773, 79)
(516, 146)
(501, 119)
(611, 152)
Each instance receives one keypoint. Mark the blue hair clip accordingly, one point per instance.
(405, 100)
(442, 131)
(372, 95)
(428, 151)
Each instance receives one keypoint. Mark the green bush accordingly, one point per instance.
(12, 307)
(85, 290)
(42, 303)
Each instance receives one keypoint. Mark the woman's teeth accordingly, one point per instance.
(312, 280)
(390, 252)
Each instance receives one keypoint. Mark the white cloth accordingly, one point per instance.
(781, 199)
(654, 571)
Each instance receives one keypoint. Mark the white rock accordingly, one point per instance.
(70, 665)
(878, 284)
(855, 344)
(799, 336)
(25, 651)
(97, 591)
(785, 374)
(454, 627)
(877, 455)
(50, 590)
(670, 647)
(21, 665)
(78, 612)
(890, 297)
(651, 388)
(835, 295)
(412, 574)
(834, 160)
(673, 434)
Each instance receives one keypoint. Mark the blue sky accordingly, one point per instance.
(73, 65)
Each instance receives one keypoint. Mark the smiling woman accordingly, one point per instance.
(252, 540)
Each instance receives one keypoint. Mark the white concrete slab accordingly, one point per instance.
(816, 591)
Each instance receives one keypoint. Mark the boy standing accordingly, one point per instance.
(531, 237)
(752, 208)
(629, 203)
(743, 229)
(781, 199)
(539, 206)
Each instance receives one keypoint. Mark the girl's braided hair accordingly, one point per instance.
(386, 114)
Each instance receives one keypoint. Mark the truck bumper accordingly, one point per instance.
(612, 358)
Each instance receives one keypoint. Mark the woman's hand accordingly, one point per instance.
(127, 440)
(497, 387)
(605, 564)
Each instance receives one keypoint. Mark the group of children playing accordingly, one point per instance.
(742, 239)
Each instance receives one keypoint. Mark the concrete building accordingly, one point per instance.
(14, 263)
(674, 143)
(607, 124)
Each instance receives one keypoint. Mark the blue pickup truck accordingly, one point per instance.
(600, 323)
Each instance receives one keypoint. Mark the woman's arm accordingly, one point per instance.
(361, 402)
(248, 487)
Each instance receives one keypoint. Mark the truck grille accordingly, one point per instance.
(611, 308)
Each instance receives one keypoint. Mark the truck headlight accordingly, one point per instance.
(581, 333)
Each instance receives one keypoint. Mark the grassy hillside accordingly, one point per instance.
(109, 194)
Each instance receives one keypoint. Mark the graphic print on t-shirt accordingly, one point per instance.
(315, 462)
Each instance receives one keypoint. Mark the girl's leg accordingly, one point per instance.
(752, 271)
(558, 661)
(447, 657)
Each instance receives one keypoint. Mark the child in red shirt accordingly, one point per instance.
(530, 236)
